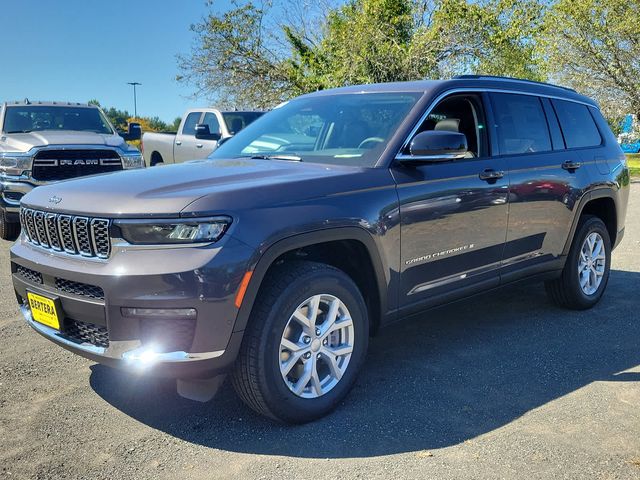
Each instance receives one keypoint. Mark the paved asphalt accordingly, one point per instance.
(501, 386)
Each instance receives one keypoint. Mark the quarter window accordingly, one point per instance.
(577, 124)
(521, 124)
(190, 123)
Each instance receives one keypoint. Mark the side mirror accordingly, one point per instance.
(203, 133)
(134, 132)
(436, 146)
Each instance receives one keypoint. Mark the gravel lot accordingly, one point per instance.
(503, 386)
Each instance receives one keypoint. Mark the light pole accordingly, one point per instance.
(135, 100)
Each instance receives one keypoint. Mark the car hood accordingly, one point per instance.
(23, 142)
(199, 187)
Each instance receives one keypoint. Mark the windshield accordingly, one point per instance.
(32, 118)
(343, 129)
(236, 121)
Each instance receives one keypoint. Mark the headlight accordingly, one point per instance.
(14, 163)
(178, 231)
(132, 161)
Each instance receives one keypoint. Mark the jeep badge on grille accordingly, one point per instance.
(55, 199)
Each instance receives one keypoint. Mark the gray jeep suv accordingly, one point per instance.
(331, 216)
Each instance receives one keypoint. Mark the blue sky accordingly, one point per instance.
(76, 50)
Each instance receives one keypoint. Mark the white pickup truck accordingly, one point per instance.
(199, 133)
(44, 142)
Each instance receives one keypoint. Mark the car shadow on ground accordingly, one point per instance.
(432, 381)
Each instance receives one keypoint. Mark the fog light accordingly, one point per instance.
(158, 312)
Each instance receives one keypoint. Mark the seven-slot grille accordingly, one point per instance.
(75, 235)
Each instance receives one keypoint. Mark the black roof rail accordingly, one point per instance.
(511, 79)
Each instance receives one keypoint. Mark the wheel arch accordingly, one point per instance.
(600, 203)
(157, 156)
(311, 245)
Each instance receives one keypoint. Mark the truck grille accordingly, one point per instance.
(53, 165)
(75, 235)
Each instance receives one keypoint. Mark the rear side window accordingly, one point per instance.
(522, 125)
(190, 123)
(577, 124)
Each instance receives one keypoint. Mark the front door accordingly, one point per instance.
(453, 214)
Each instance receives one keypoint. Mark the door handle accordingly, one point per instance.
(491, 175)
(178, 142)
(569, 165)
(198, 145)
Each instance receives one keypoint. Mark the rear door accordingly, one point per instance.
(186, 147)
(545, 182)
(453, 215)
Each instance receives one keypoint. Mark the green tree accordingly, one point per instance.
(242, 59)
(594, 46)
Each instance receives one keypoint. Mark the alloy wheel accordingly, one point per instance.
(316, 346)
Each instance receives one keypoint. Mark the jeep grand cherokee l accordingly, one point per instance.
(331, 216)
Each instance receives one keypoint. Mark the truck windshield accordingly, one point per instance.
(32, 118)
(236, 121)
(343, 129)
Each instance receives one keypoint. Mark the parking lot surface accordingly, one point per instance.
(503, 385)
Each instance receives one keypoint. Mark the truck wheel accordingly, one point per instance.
(8, 230)
(156, 159)
(586, 272)
(305, 343)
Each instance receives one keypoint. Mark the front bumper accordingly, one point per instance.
(12, 192)
(92, 294)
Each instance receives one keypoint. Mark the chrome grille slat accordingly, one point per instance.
(100, 237)
(82, 237)
(65, 223)
(31, 226)
(75, 235)
(41, 231)
(51, 224)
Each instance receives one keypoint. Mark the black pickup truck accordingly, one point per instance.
(331, 216)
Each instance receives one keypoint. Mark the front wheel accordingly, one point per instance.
(8, 230)
(306, 340)
(586, 271)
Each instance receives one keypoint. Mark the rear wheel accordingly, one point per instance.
(586, 271)
(306, 340)
(8, 230)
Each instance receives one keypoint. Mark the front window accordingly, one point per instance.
(35, 118)
(343, 129)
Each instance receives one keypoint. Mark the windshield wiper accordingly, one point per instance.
(20, 131)
(291, 158)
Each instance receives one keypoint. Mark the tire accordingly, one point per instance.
(258, 377)
(8, 230)
(567, 291)
(156, 159)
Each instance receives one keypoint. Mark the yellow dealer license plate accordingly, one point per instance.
(43, 310)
